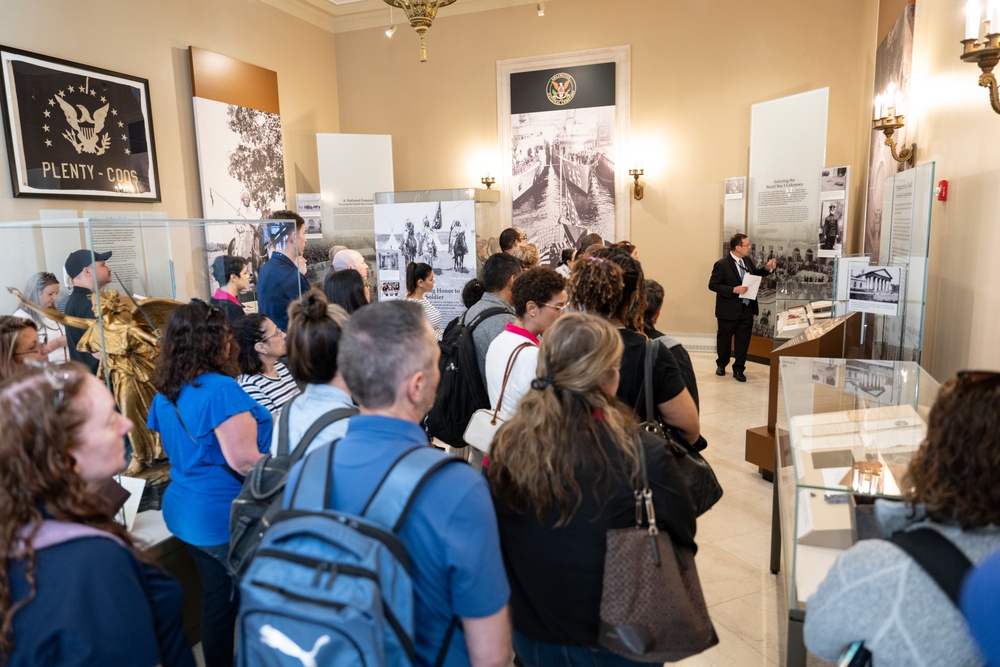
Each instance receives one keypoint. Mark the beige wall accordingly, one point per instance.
(958, 130)
(150, 40)
(696, 70)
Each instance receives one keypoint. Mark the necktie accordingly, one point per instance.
(743, 272)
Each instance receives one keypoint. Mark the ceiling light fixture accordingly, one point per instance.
(391, 30)
(420, 13)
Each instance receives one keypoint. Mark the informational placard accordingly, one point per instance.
(787, 154)
(128, 266)
(308, 205)
(875, 289)
(436, 233)
(734, 210)
(352, 168)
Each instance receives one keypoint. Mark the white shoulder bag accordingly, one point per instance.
(485, 423)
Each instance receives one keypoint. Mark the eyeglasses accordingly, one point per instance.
(34, 349)
(561, 309)
(277, 332)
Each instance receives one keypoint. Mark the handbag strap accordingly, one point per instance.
(938, 556)
(647, 382)
(506, 375)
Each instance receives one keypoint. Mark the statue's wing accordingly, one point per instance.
(158, 310)
(61, 318)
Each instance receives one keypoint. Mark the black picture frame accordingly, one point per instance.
(76, 132)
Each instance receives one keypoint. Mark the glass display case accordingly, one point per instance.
(847, 430)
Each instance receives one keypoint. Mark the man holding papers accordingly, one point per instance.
(735, 280)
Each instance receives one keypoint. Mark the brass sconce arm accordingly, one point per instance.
(986, 54)
(637, 187)
(888, 125)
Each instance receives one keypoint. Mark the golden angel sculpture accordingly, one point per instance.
(127, 340)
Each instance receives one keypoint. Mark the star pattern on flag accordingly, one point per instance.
(124, 137)
(103, 99)
(48, 113)
(62, 93)
(93, 93)
(128, 152)
(121, 124)
(45, 128)
(114, 112)
(48, 142)
(71, 89)
(52, 102)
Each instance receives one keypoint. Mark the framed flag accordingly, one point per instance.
(76, 132)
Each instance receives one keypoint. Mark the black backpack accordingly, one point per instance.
(462, 389)
(259, 500)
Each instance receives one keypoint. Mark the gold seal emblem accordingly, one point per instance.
(561, 89)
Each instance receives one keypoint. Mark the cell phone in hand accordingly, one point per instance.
(856, 655)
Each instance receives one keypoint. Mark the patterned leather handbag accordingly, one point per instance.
(652, 606)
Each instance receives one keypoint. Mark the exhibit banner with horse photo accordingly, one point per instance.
(437, 233)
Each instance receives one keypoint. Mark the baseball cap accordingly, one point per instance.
(78, 260)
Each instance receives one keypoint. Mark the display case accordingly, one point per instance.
(847, 430)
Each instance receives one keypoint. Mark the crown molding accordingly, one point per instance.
(367, 14)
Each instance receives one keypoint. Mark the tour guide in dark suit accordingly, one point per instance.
(734, 313)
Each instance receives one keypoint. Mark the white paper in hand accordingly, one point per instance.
(752, 283)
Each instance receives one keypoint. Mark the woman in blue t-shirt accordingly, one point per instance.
(74, 590)
(213, 433)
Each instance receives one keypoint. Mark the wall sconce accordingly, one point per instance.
(984, 52)
(635, 173)
(541, 8)
(888, 121)
(488, 181)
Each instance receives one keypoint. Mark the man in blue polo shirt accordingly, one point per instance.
(389, 359)
(282, 278)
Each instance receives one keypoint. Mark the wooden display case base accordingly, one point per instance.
(760, 448)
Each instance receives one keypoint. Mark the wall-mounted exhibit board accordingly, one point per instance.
(787, 156)
(352, 168)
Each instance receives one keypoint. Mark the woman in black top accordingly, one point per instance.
(562, 472)
(610, 283)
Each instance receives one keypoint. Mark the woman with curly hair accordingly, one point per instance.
(562, 473)
(950, 487)
(611, 284)
(74, 589)
(539, 299)
(18, 343)
(213, 433)
(261, 344)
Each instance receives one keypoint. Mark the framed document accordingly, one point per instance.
(75, 131)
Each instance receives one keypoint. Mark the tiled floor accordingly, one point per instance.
(747, 603)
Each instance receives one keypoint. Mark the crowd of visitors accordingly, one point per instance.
(500, 565)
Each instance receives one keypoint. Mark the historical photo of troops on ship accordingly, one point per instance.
(441, 234)
(563, 177)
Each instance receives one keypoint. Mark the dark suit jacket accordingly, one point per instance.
(726, 276)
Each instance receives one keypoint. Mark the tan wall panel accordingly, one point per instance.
(696, 70)
(151, 40)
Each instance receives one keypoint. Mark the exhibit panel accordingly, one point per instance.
(847, 431)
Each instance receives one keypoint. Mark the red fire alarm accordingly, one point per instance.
(942, 190)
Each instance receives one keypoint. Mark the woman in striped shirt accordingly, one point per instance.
(262, 376)
(420, 281)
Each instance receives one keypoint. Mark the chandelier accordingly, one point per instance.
(421, 14)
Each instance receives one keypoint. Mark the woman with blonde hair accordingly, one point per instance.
(18, 343)
(42, 289)
(562, 473)
(74, 589)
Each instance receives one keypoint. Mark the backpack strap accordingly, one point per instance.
(317, 426)
(52, 532)
(938, 556)
(312, 489)
(394, 495)
(283, 428)
(485, 315)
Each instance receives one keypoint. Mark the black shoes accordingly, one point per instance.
(720, 371)
(739, 376)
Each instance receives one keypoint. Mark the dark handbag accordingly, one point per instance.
(652, 606)
(701, 480)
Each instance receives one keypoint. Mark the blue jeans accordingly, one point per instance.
(539, 654)
(219, 603)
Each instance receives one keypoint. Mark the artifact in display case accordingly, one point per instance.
(839, 450)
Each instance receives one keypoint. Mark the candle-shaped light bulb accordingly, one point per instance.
(972, 16)
(993, 16)
(878, 107)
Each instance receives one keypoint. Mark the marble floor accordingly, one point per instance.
(747, 603)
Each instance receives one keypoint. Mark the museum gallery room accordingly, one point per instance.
(824, 171)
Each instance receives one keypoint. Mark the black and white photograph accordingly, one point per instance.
(75, 131)
(735, 187)
(831, 228)
(309, 206)
(875, 289)
(870, 379)
(240, 161)
(246, 239)
(436, 233)
(826, 372)
(833, 182)
(562, 142)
